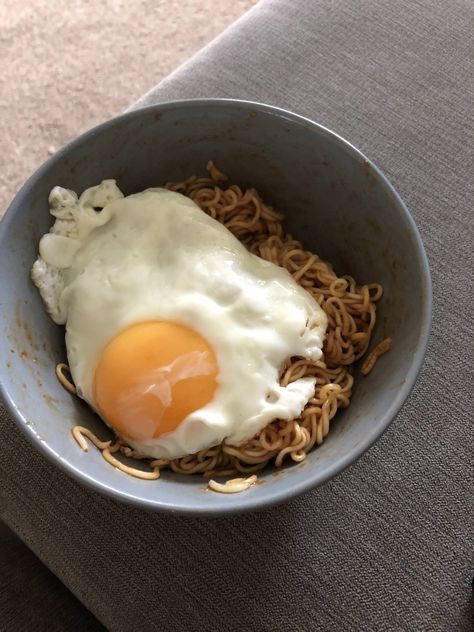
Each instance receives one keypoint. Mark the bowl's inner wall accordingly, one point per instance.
(335, 203)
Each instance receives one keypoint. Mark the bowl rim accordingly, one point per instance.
(243, 503)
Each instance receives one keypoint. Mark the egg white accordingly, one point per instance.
(156, 256)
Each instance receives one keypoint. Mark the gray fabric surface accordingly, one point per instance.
(388, 545)
(31, 597)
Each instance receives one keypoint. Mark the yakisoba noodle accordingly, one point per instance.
(375, 354)
(233, 486)
(351, 313)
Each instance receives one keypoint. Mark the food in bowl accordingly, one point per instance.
(208, 339)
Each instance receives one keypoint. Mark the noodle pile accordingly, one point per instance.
(351, 313)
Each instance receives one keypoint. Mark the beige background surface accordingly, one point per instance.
(69, 64)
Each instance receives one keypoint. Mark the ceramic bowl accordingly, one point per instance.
(335, 200)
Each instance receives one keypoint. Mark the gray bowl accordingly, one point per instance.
(336, 201)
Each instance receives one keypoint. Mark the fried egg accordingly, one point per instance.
(175, 333)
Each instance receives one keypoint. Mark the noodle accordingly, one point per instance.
(107, 449)
(374, 355)
(351, 313)
(66, 382)
(233, 486)
(79, 432)
(153, 475)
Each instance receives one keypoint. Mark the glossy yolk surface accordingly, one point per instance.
(151, 376)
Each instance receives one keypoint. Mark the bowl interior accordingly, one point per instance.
(335, 201)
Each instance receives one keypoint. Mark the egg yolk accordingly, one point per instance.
(151, 376)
